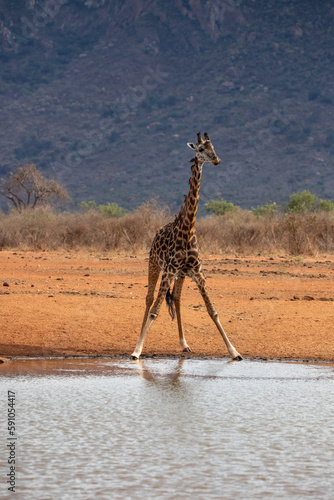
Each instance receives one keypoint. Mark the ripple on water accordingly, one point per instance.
(172, 429)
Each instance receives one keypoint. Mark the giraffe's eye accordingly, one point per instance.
(201, 150)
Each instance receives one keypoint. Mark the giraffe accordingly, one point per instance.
(175, 253)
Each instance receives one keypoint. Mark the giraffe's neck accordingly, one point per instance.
(188, 212)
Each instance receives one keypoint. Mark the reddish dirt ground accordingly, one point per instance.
(92, 304)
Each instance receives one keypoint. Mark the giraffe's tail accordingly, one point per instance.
(170, 303)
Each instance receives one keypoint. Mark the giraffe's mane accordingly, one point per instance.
(181, 214)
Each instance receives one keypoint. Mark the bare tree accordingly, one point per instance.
(26, 188)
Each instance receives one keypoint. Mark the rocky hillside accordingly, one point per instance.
(104, 96)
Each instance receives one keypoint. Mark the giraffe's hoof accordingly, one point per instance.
(4, 360)
(134, 357)
(238, 358)
(186, 349)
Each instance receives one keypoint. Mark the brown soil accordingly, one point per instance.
(91, 304)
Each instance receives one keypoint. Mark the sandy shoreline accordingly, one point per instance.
(61, 304)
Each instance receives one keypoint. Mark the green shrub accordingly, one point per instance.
(301, 202)
(111, 209)
(326, 205)
(266, 209)
(220, 207)
(307, 202)
(87, 205)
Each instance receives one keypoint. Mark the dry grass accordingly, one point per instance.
(243, 232)
(240, 232)
(42, 229)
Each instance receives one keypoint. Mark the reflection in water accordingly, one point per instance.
(168, 429)
(153, 376)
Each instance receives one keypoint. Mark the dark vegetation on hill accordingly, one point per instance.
(103, 96)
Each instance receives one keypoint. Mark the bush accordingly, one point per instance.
(87, 205)
(269, 209)
(326, 205)
(220, 207)
(111, 209)
(307, 202)
(301, 202)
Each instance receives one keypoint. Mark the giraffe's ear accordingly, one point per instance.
(192, 146)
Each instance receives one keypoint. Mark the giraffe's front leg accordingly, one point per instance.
(200, 281)
(139, 347)
(166, 281)
(177, 300)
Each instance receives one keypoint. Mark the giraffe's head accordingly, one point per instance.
(204, 150)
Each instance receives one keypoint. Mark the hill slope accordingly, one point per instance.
(104, 96)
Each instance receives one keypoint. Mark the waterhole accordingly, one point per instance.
(169, 429)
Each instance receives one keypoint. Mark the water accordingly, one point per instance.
(170, 429)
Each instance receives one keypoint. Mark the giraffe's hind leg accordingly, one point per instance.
(200, 281)
(166, 281)
(177, 301)
(153, 276)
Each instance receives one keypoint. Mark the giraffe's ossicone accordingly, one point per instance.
(175, 254)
